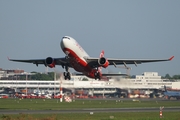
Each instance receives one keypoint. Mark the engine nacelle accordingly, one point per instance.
(103, 62)
(50, 62)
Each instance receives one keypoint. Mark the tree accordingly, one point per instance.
(176, 76)
(167, 76)
(43, 76)
(85, 79)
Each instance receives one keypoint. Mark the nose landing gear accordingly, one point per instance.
(67, 75)
(97, 75)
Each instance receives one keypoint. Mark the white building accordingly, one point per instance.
(148, 80)
(2, 74)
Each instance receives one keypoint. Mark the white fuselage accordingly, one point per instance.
(68, 43)
(76, 56)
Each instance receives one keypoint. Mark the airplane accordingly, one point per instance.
(77, 58)
(169, 94)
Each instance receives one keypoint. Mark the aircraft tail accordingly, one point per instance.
(101, 54)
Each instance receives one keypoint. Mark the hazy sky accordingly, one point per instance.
(31, 29)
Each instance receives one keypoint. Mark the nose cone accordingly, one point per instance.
(62, 44)
(65, 43)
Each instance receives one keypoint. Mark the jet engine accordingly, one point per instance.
(50, 62)
(103, 62)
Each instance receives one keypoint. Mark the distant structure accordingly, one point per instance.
(149, 84)
(125, 67)
(147, 80)
(11, 74)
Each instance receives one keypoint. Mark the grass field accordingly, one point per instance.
(54, 104)
(95, 116)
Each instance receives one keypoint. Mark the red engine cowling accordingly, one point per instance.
(103, 62)
(50, 62)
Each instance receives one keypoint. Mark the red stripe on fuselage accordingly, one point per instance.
(80, 65)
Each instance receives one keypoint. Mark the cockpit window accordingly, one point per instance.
(66, 38)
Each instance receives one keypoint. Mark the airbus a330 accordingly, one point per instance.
(77, 58)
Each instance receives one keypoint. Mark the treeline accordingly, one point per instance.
(174, 77)
(40, 76)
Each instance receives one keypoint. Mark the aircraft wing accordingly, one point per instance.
(114, 74)
(58, 61)
(93, 62)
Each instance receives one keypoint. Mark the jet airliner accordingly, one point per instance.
(77, 58)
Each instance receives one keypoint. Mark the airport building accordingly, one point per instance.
(141, 85)
(12, 74)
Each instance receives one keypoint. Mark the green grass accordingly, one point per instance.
(95, 116)
(54, 104)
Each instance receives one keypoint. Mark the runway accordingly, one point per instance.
(94, 110)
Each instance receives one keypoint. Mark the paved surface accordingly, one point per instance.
(88, 110)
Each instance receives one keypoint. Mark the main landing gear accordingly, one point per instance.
(97, 75)
(67, 75)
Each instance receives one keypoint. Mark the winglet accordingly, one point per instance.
(8, 58)
(171, 58)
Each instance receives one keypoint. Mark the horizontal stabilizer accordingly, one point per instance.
(108, 74)
(114, 74)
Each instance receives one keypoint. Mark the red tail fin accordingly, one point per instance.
(101, 54)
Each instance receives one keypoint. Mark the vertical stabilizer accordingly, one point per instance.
(101, 54)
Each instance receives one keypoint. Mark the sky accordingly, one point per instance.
(141, 29)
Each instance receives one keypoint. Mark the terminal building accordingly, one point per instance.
(141, 85)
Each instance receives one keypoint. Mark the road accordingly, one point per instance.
(94, 110)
